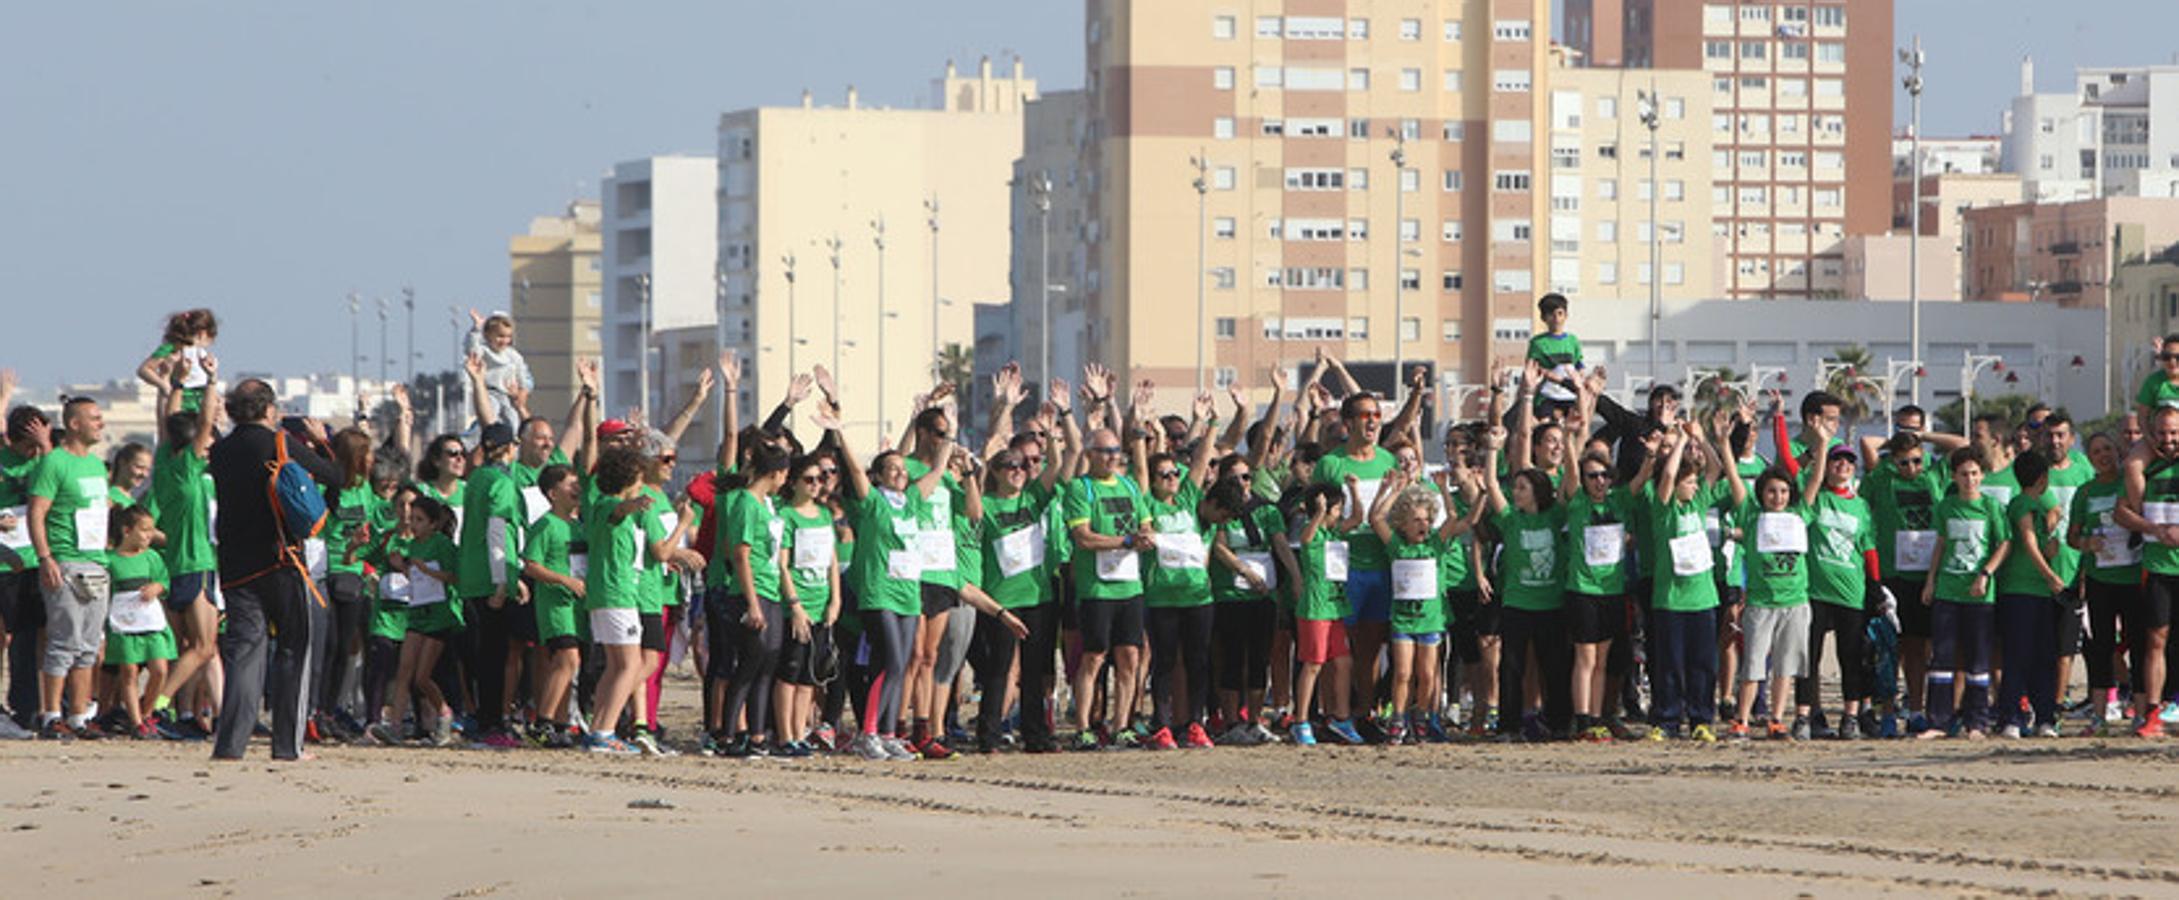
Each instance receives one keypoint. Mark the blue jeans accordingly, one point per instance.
(2027, 630)
(1683, 666)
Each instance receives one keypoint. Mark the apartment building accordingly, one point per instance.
(1601, 189)
(1051, 237)
(659, 245)
(1801, 96)
(556, 292)
(2116, 133)
(1372, 178)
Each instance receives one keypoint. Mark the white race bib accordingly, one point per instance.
(905, 565)
(1414, 579)
(1603, 545)
(130, 613)
(193, 374)
(1182, 550)
(534, 504)
(495, 547)
(1335, 560)
(1259, 563)
(1690, 554)
(1913, 551)
(1119, 565)
(1780, 533)
(314, 557)
(425, 590)
(456, 508)
(91, 526)
(813, 547)
(2003, 494)
(1021, 550)
(2159, 514)
(2116, 552)
(393, 586)
(935, 545)
(578, 565)
(211, 515)
(17, 537)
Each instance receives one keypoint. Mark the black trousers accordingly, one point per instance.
(275, 609)
(997, 647)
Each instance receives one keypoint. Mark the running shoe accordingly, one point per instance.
(2009, 732)
(1659, 733)
(1086, 740)
(442, 732)
(2114, 711)
(1396, 734)
(2047, 730)
(643, 741)
(1343, 729)
(1533, 730)
(1198, 739)
(1481, 724)
(1618, 729)
(824, 738)
(1803, 730)
(311, 734)
(1703, 735)
(1161, 739)
(896, 749)
(1433, 730)
(162, 721)
(1597, 734)
(610, 745)
(346, 726)
(502, 739)
(382, 733)
(2075, 707)
(868, 747)
(1850, 728)
(1126, 739)
(1918, 723)
(1776, 730)
(740, 747)
(934, 749)
(2151, 728)
(145, 731)
(91, 731)
(791, 750)
(1264, 735)
(10, 730)
(2168, 715)
(1040, 746)
(1737, 731)
(1240, 735)
(1302, 733)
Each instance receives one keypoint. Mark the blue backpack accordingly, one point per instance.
(298, 506)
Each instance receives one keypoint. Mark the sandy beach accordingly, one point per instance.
(2070, 817)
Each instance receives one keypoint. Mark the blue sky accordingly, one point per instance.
(266, 158)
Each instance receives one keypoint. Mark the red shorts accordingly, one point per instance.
(1319, 642)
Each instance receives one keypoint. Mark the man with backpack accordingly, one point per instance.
(262, 571)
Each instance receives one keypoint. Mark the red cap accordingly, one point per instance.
(613, 428)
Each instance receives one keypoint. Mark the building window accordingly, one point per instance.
(1222, 128)
(1358, 29)
(1357, 79)
(1273, 127)
(1410, 280)
(1827, 197)
(1449, 230)
(1410, 329)
(1512, 230)
(1752, 13)
(1607, 189)
(1222, 178)
(1411, 129)
(1410, 230)
(1358, 129)
(1357, 229)
(1830, 16)
(1753, 49)
(1222, 278)
(1675, 189)
(1222, 78)
(1675, 107)
(1830, 52)
(1793, 50)
(1357, 279)
(1410, 180)
(1717, 49)
(1222, 28)
(1451, 329)
(1451, 180)
(1510, 180)
(1513, 131)
(1452, 81)
(2045, 162)
(1358, 179)
(1410, 29)
(1675, 273)
(1512, 281)
(1607, 230)
(1830, 87)
(1315, 179)
(1450, 280)
(1357, 328)
(1510, 30)
(1226, 328)
(1511, 80)
(1410, 79)
(1267, 26)
(1222, 227)
(1607, 273)
(1455, 131)
(1452, 31)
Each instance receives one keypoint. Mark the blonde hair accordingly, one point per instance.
(1412, 499)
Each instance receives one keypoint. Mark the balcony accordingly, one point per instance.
(2066, 248)
(2065, 288)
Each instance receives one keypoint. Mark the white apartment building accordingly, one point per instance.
(2116, 133)
(660, 267)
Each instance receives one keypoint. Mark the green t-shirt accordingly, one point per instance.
(947, 511)
(1775, 545)
(1014, 537)
(1178, 574)
(492, 520)
(1606, 575)
(389, 615)
(1114, 507)
(1560, 356)
(1839, 539)
(192, 380)
(811, 545)
(348, 516)
(754, 522)
(2160, 485)
(77, 487)
(2018, 575)
(2001, 485)
(2157, 390)
(1422, 611)
(2064, 483)
(2094, 505)
(1270, 526)
(1531, 574)
(1901, 504)
(15, 472)
(614, 580)
(525, 476)
(1686, 576)
(887, 569)
(1455, 566)
(554, 543)
(182, 491)
(653, 581)
(438, 553)
(1322, 599)
(133, 572)
(1968, 533)
(1365, 552)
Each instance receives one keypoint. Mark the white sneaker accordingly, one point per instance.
(1264, 735)
(868, 747)
(2011, 732)
(442, 732)
(2115, 711)
(2046, 730)
(896, 749)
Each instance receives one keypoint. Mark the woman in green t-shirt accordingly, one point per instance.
(1177, 594)
(2028, 586)
(1599, 515)
(2111, 557)
(886, 508)
(813, 567)
(182, 495)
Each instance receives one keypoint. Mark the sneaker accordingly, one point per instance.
(792, 750)
(145, 731)
(824, 738)
(643, 740)
(1887, 727)
(10, 730)
(737, 747)
(1303, 734)
(1433, 730)
(1850, 728)
(1198, 739)
(161, 721)
(1703, 735)
(2151, 728)
(1804, 730)
(934, 749)
(1597, 734)
(1776, 730)
(868, 747)
(1343, 729)
(2168, 715)
(1656, 735)
(1917, 723)
(1737, 731)
(2047, 730)
(896, 749)
(1240, 735)
(1086, 740)
(2010, 732)
(382, 733)
(505, 740)
(1264, 735)
(442, 732)
(1161, 739)
(1396, 734)
(1533, 730)
(610, 745)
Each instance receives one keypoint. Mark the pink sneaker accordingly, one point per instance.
(1198, 739)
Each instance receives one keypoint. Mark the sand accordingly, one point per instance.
(2066, 817)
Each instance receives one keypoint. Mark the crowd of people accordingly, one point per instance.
(1093, 573)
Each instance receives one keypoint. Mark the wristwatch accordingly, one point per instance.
(1128, 542)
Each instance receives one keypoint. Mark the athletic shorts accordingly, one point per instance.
(1593, 618)
(440, 621)
(1369, 597)
(1913, 614)
(522, 629)
(654, 635)
(2068, 625)
(798, 662)
(553, 620)
(1426, 639)
(938, 598)
(2152, 607)
(1111, 623)
(1319, 641)
(1776, 641)
(187, 588)
(616, 627)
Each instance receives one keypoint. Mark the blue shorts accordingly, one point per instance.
(1369, 596)
(187, 588)
(1427, 640)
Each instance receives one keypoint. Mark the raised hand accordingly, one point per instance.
(1495, 438)
(798, 390)
(941, 392)
(476, 319)
(826, 417)
(705, 381)
(1061, 396)
(730, 369)
(210, 364)
(474, 365)
(400, 394)
(1417, 376)
(826, 384)
(1094, 377)
(586, 370)
(1238, 395)
(1144, 390)
(1204, 405)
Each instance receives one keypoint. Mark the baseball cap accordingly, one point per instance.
(496, 434)
(613, 428)
(1845, 451)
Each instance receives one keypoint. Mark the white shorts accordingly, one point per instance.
(616, 627)
(1776, 642)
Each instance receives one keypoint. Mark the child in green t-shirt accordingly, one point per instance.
(555, 557)
(1320, 610)
(430, 563)
(1558, 352)
(136, 629)
(1401, 518)
(1973, 539)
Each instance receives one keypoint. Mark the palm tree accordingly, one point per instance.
(1712, 394)
(1850, 384)
(956, 365)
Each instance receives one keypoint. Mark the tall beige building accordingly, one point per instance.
(555, 291)
(1051, 237)
(1313, 236)
(1601, 189)
(829, 250)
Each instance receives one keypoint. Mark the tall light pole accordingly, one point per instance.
(448, 414)
(718, 302)
(385, 314)
(643, 345)
(877, 236)
(355, 347)
(1202, 258)
(408, 300)
(1040, 193)
(1648, 103)
(1971, 366)
(1399, 258)
(833, 246)
(793, 366)
(930, 209)
(1912, 58)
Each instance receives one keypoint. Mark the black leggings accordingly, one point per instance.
(996, 650)
(487, 662)
(1181, 636)
(892, 641)
(758, 652)
(381, 659)
(1849, 630)
(2106, 602)
(1523, 630)
(1243, 629)
(331, 659)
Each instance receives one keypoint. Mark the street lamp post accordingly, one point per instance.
(1648, 100)
(1971, 366)
(1913, 83)
(1040, 191)
(877, 229)
(385, 313)
(833, 246)
(408, 300)
(718, 304)
(1894, 369)
(1202, 258)
(355, 348)
(930, 209)
(1399, 258)
(793, 367)
(643, 345)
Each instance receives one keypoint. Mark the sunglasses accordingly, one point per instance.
(830, 472)
(1105, 451)
(1598, 475)
(2168, 357)
(1370, 416)
(453, 452)
(1169, 473)
(1032, 460)
(1011, 467)
(669, 459)
(1914, 461)
(811, 479)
